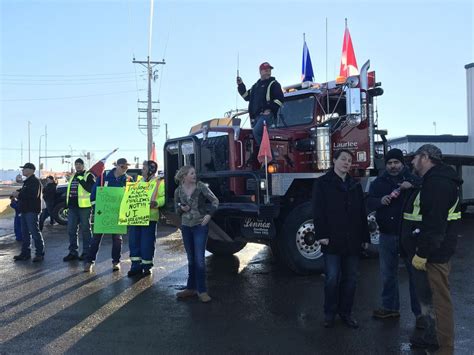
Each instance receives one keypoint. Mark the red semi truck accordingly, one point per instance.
(315, 121)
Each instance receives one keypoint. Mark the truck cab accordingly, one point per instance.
(271, 204)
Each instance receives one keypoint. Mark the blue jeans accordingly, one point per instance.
(339, 284)
(79, 216)
(45, 213)
(95, 245)
(17, 227)
(195, 239)
(258, 127)
(30, 228)
(388, 258)
(141, 242)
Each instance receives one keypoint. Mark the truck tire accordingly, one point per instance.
(296, 244)
(60, 213)
(218, 247)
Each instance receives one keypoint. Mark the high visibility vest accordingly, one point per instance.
(415, 215)
(159, 197)
(83, 197)
(158, 187)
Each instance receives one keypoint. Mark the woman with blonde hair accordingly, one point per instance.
(189, 199)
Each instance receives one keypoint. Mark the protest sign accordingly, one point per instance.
(106, 214)
(135, 205)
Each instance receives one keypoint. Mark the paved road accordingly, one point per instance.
(257, 306)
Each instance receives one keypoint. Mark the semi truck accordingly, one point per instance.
(273, 207)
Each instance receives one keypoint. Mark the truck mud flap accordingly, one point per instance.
(257, 228)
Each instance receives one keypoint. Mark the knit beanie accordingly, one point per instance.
(394, 154)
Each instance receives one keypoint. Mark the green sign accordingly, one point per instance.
(135, 205)
(107, 207)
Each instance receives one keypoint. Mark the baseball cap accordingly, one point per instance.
(28, 166)
(431, 151)
(122, 161)
(265, 65)
(79, 160)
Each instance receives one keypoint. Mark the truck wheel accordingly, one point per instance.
(60, 213)
(218, 247)
(296, 243)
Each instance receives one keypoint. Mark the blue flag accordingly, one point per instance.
(307, 68)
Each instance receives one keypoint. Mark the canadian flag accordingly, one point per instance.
(348, 59)
(98, 168)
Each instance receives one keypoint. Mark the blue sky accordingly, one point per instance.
(68, 65)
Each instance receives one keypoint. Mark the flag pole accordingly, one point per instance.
(267, 195)
(237, 93)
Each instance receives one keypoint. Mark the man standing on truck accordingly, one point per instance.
(265, 98)
(79, 211)
(386, 196)
(429, 235)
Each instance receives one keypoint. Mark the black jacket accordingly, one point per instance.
(389, 217)
(257, 97)
(49, 192)
(439, 193)
(339, 214)
(29, 197)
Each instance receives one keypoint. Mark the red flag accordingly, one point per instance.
(348, 59)
(265, 150)
(98, 168)
(153, 153)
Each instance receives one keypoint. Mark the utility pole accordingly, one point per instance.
(46, 147)
(39, 157)
(148, 64)
(21, 154)
(166, 131)
(72, 164)
(29, 142)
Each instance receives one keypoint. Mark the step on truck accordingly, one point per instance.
(273, 207)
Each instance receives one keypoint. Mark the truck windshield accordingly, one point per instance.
(297, 111)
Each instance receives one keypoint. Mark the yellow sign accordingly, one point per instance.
(135, 204)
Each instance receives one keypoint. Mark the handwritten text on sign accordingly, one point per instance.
(135, 205)
(106, 215)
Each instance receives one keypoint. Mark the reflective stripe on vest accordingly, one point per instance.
(268, 90)
(83, 197)
(417, 217)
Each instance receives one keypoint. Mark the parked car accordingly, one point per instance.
(60, 210)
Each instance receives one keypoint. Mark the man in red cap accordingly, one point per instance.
(265, 98)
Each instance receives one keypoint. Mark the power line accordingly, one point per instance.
(66, 75)
(121, 77)
(80, 149)
(69, 84)
(69, 97)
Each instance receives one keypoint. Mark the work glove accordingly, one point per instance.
(419, 263)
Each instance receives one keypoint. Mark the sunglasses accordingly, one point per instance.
(124, 167)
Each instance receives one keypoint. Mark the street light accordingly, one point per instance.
(39, 157)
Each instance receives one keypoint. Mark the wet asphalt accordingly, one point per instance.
(257, 307)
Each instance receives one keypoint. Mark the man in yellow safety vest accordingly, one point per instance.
(430, 219)
(79, 211)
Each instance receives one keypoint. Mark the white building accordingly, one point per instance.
(460, 146)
